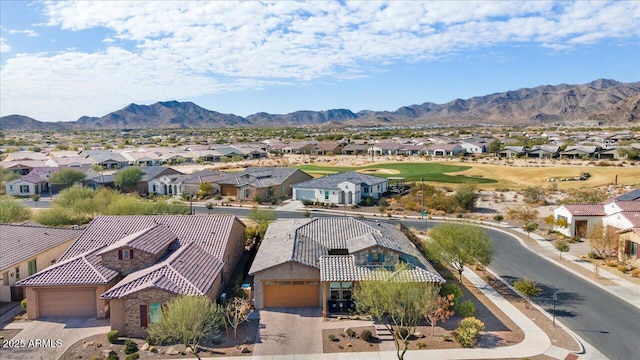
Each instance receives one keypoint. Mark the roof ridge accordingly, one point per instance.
(93, 268)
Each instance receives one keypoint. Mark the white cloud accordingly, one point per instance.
(29, 33)
(4, 45)
(188, 49)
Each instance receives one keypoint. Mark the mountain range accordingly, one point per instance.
(607, 101)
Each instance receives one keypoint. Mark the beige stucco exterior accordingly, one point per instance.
(625, 255)
(33, 304)
(287, 271)
(43, 260)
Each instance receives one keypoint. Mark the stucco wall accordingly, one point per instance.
(633, 260)
(289, 270)
(43, 260)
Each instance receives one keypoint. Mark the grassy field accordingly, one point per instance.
(490, 176)
(431, 172)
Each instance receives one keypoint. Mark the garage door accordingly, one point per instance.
(228, 190)
(67, 302)
(291, 293)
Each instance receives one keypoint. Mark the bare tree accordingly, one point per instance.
(238, 311)
(603, 240)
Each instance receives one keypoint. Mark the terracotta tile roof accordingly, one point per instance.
(344, 268)
(82, 264)
(628, 205)
(189, 271)
(151, 240)
(20, 243)
(585, 209)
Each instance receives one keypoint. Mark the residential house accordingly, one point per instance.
(27, 249)
(316, 262)
(548, 151)
(142, 158)
(23, 167)
(341, 188)
(511, 152)
(411, 150)
(268, 182)
(444, 150)
(298, 147)
(149, 173)
(579, 218)
(36, 182)
(629, 246)
(579, 152)
(384, 148)
(474, 147)
(127, 267)
(69, 161)
(106, 159)
(355, 149)
(328, 148)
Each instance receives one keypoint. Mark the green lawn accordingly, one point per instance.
(409, 171)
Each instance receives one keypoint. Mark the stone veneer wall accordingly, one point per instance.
(132, 309)
(141, 259)
(391, 258)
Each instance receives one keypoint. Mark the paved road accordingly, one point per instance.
(604, 321)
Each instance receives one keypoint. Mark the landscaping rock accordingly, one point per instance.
(107, 353)
(188, 350)
(87, 344)
(245, 350)
(172, 351)
(145, 346)
(418, 334)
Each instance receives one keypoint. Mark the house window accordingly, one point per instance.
(633, 249)
(17, 270)
(32, 267)
(155, 312)
(326, 195)
(10, 187)
(341, 290)
(125, 254)
(376, 258)
(365, 190)
(24, 189)
(247, 193)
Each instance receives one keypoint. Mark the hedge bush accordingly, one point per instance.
(130, 347)
(112, 336)
(366, 335)
(467, 332)
(466, 309)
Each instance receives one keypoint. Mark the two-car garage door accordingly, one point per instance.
(291, 293)
(67, 302)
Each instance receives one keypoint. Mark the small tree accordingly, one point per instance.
(534, 195)
(461, 245)
(66, 177)
(209, 206)
(466, 197)
(35, 199)
(188, 319)
(529, 227)
(439, 310)
(562, 246)
(206, 189)
(128, 178)
(498, 217)
(603, 240)
(523, 213)
(396, 302)
(263, 218)
(237, 312)
(527, 288)
(11, 211)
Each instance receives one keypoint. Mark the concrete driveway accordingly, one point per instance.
(288, 331)
(49, 338)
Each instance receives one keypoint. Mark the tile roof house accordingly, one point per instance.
(315, 262)
(27, 249)
(341, 188)
(620, 212)
(268, 182)
(127, 267)
(36, 182)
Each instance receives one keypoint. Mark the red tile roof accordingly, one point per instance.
(586, 210)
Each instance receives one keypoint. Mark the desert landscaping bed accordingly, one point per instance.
(335, 340)
(97, 347)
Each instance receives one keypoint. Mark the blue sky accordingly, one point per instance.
(63, 60)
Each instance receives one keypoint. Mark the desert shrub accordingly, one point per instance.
(350, 332)
(635, 272)
(622, 268)
(331, 337)
(23, 303)
(593, 255)
(135, 356)
(130, 347)
(366, 335)
(403, 332)
(467, 331)
(113, 356)
(466, 309)
(421, 345)
(112, 336)
(448, 289)
(611, 264)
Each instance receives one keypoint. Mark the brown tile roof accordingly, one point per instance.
(344, 268)
(82, 264)
(586, 210)
(20, 243)
(189, 271)
(151, 240)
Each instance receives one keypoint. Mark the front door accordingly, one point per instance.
(581, 228)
